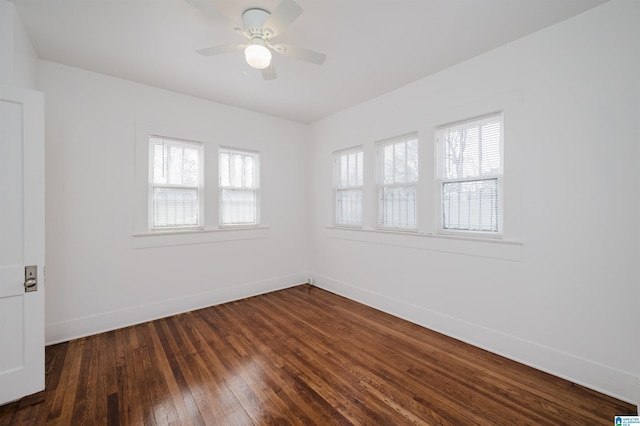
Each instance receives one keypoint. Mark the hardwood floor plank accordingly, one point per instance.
(180, 392)
(108, 382)
(62, 410)
(300, 356)
(135, 402)
(210, 380)
(85, 391)
(156, 379)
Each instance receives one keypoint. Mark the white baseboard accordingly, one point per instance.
(85, 326)
(610, 381)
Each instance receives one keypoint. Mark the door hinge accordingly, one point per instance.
(30, 278)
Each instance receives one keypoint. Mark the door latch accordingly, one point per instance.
(30, 278)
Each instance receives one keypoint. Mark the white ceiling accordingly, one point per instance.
(372, 46)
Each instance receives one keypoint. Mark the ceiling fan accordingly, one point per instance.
(259, 27)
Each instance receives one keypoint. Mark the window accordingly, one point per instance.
(348, 166)
(470, 173)
(398, 177)
(175, 184)
(238, 187)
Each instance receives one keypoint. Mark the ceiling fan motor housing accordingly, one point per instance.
(253, 20)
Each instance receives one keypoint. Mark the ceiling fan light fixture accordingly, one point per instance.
(259, 27)
(257, 54)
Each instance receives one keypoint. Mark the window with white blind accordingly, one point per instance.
(175, 183)
(348, 181)
(470, 171)
(238, 173)
(397, 181)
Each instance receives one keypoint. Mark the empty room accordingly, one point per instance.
(364, 212)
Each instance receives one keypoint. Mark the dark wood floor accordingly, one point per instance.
(296, 356)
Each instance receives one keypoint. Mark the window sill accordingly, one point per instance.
(197, 236)
(471, 246)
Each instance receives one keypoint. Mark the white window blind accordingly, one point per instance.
(238, 187)
(470, 174)
(348, 166)
(175, 183)
(398, 177)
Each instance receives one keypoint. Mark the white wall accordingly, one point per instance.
(563, 296)
(96, 279)
(18, 59)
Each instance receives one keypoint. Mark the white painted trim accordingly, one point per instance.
(482, 247)
(616, 383)
(85, 326)
(198, 236)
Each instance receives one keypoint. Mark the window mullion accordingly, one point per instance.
(357, 170)
(243, 171)
(480, 150)
(349, 187)
(393, 162)
(174, 186)
(169, 162)
(406, 161)
(232, 168)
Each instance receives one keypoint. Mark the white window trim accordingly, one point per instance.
(509, 247)
(481, 247)
(142, 237)
(440, 180)
(380, 185)
(337, 189)
(255, 189)
(199, 187)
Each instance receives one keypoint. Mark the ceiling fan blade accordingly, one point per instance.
(269, 73)
(301, 53)
(283, 15)
(216, 50)
(211, 11)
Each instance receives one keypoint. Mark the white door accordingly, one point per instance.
(21, 242)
